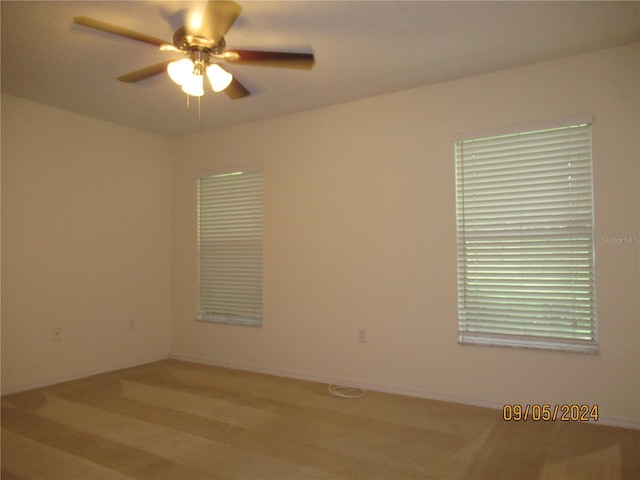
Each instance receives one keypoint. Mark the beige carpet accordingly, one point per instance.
(177, 420)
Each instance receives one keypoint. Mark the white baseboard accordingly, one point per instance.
(622, 422)
(607, 420)
(84, 374)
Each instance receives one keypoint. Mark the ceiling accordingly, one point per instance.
(362, 49)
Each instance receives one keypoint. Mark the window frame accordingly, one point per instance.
(233, 315)
(478, 332)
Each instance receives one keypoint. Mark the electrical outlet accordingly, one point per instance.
(362, 335)
(57, 334)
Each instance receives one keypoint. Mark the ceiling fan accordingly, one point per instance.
(203, 44)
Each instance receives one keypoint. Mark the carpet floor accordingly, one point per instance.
(178, 420)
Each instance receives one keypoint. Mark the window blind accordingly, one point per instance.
(525, 239)
(230, 247)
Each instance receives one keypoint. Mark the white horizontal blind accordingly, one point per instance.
(230, 247)
(525, 239)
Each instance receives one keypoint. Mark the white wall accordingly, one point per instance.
(85, 245)
(360, 233)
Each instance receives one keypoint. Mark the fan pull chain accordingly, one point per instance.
(199, 109)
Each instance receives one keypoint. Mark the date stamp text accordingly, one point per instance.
(550, 413)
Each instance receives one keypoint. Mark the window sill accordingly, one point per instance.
(251, 322)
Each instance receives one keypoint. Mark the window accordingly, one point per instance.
(525, 236)
(230, 247)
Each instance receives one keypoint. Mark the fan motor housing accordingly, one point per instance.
(186, 41)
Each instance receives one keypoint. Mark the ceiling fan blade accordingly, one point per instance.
(146, 72)
(236, 90)
(123, 32)
(217, 19)
(302, 61)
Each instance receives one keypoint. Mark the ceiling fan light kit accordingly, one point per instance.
(189, 75)
(204, 46)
